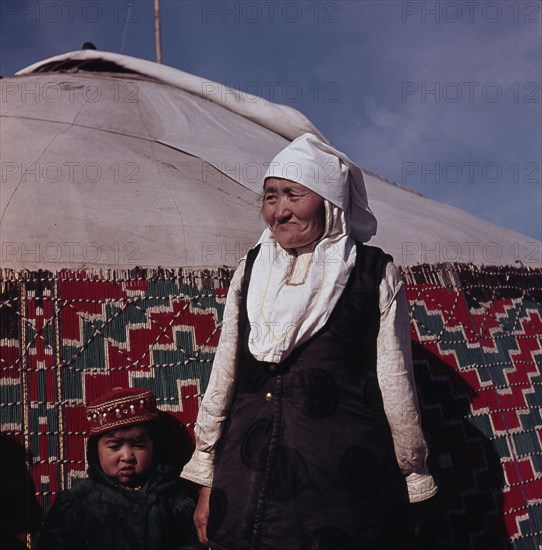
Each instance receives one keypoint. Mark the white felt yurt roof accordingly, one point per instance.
(113, 161)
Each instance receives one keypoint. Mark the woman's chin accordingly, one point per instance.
(293, 244)
(289, 241)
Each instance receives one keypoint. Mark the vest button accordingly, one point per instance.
(268, 396)
(272, 367)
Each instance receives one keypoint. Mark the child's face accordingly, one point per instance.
(126, 455)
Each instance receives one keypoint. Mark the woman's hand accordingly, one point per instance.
(201, 515)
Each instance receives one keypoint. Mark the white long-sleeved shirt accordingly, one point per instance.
(395, 377)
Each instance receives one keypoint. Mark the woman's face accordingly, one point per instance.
(295, 214)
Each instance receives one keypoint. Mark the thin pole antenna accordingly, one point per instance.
(157, 31)
(126, 23)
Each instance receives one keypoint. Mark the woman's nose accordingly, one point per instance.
(282, 209)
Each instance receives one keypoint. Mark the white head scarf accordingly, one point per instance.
(330, 173)
(293, 292)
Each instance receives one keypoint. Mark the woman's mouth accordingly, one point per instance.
(285, 225)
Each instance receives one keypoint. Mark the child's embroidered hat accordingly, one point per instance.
(120, 408)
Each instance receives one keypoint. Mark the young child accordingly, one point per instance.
(133, 498)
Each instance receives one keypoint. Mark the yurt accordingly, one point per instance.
(129, 192)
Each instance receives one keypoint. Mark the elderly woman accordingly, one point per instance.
(309, 436)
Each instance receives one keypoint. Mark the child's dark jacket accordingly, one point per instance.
(96, 514)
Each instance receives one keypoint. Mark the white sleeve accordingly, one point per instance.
(396, 380)
(215, 404)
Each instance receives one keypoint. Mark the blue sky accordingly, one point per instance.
(443, 97)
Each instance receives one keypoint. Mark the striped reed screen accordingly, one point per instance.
(67, 337)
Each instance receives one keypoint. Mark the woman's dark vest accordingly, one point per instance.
(306, 460)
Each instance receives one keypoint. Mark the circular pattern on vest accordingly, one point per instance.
(255, 445)
(289, 474)
(315, 392)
